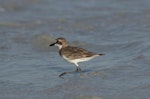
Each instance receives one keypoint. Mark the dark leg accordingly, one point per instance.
(69, 72)
(62, 74)
(80, 70)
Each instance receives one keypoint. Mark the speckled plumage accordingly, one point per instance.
(73, 54)
(76, 53)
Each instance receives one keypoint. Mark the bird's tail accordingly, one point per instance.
(101, 54)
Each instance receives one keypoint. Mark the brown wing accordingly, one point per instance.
(75, 52)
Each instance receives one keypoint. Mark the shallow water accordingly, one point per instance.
(29, 68)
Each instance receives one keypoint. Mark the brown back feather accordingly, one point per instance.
(75, 52)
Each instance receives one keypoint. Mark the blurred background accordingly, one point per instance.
(120, 29)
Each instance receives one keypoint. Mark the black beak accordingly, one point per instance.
(52, 44)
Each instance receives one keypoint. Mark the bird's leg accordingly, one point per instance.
(76, 69)
(69, 72)
(62, 74)
(79, 69)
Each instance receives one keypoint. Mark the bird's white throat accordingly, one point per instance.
(59, 46)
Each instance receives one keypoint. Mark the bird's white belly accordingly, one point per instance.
(77, 60)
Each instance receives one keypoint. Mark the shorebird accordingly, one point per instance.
(72, 54)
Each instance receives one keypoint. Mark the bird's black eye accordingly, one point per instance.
(58, 42)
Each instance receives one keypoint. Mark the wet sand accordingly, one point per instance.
(29, 68)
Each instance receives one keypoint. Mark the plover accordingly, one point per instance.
(73, 55)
